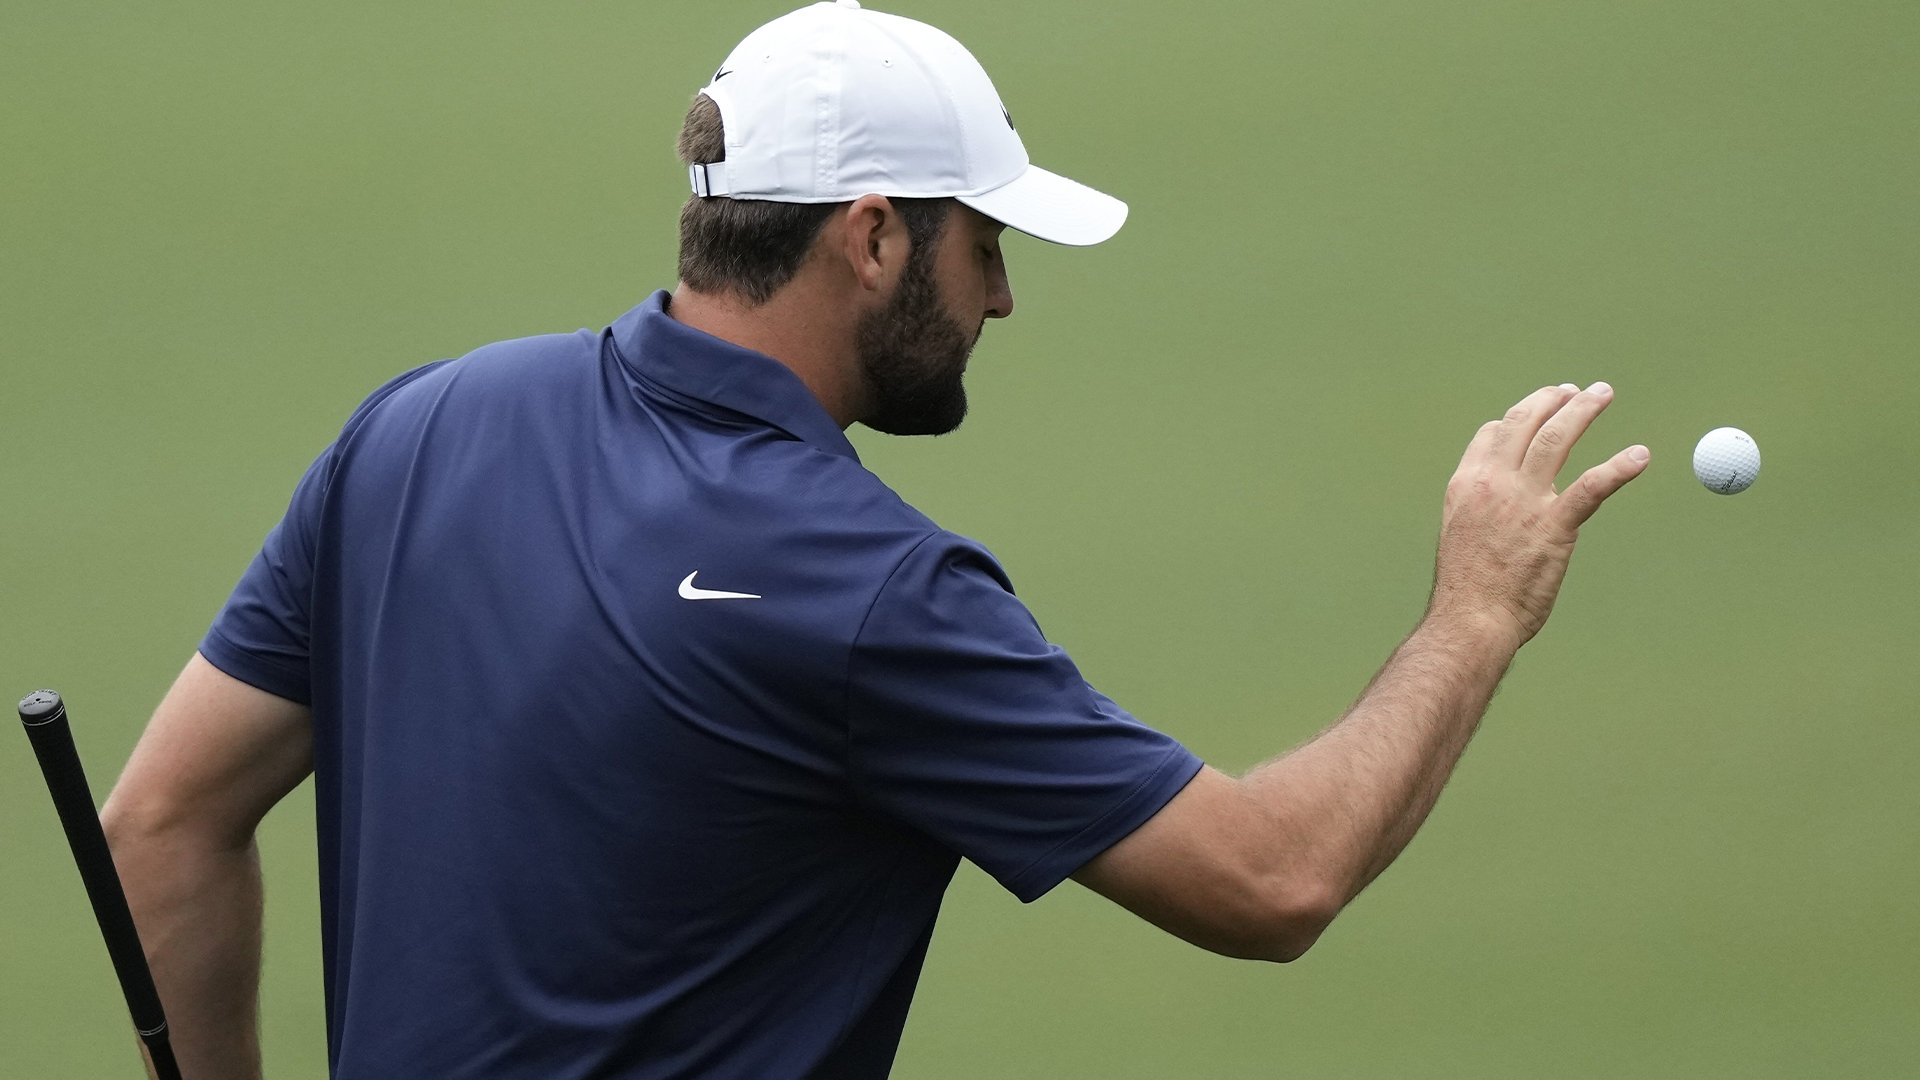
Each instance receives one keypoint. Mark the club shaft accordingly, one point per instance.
(52, 740)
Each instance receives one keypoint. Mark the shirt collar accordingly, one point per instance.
(655, 346)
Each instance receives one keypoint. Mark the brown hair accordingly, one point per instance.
(751, 247)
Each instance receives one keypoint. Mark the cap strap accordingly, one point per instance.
(709, 179)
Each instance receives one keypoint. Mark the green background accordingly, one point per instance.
(1210, 453)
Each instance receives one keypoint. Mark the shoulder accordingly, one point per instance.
(946, 587)
(387, 390)
(520, 364)
(943, 556)
(828, 512)
(528, 357)
(904, 551)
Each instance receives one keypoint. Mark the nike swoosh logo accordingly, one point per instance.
(688, 591)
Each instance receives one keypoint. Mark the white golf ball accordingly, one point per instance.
(1727, 460)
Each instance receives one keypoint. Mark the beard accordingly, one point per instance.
(914, 356)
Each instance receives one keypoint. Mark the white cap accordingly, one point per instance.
(833, 102)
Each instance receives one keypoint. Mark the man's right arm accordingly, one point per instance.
(1258, 866)
(217, 755)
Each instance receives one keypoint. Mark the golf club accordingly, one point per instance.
(45, 717)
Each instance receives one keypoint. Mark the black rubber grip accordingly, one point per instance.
(45, 718)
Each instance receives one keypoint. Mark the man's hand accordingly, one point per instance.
(1505, 533)
(1258, 866)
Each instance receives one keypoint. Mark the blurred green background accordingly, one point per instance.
(1210, 452)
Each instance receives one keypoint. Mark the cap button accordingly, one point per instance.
(848, 3)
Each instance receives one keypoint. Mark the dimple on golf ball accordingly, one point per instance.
(1727, 460)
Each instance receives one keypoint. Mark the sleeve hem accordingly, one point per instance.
(279, 678)
(1141, 804)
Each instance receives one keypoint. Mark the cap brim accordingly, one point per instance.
(1052, 207)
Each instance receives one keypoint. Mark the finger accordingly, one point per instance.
(1477, 449)
(1483, 438)
(1510, 441)
(1596, 484)
(1547, 454)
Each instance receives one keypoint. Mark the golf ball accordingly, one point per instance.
(1727, 460)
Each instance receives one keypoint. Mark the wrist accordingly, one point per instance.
(1485, 632)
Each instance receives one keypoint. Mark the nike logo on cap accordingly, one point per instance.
(688, 591)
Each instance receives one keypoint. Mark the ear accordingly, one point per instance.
(877, 243)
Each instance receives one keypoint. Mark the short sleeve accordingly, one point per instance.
(263, 635)
(966, 724)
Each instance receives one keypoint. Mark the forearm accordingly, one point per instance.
(1343, 806)
(198, 906)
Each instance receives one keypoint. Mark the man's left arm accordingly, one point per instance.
(217, 755)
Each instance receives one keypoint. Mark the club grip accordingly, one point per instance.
(45, 718)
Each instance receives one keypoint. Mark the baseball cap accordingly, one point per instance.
(832, 102)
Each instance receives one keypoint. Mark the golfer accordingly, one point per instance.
(648, 727)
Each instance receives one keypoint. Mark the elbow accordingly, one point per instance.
(1279, 922)
(149, 820)
(1296, 922)
(128, 822)
(1290, 943)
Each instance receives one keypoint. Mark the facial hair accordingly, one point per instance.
(914, 355)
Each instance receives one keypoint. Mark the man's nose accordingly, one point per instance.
(999, 292)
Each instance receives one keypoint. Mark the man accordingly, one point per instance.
(648, 727)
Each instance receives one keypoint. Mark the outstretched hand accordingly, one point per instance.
(1258, 866)
(1506, 534)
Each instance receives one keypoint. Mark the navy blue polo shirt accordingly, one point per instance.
(649, 727)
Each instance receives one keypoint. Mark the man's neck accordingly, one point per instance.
(812, 335)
